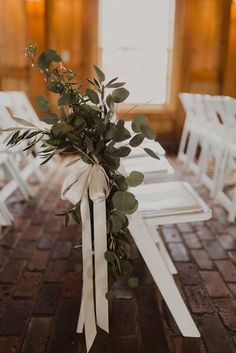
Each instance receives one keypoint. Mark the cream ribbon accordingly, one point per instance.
(90, 181)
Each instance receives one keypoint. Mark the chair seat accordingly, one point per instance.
(171, 202)
(147, 165)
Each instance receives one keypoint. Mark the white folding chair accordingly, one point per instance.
(32, 163)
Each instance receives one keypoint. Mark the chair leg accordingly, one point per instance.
(162, 276)
(161, 246)
(16, 175)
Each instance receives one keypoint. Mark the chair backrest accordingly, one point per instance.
(21, 106)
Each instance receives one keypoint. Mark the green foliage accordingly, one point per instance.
(43, 103)
(119, 95)
(84, 126)
(135, 179)
(151, 153)
(133, 282)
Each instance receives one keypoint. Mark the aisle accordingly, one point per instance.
(40, 291)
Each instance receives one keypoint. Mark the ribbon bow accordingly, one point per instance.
(92, 180)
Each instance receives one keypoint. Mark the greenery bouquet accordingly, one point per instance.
(85, 126)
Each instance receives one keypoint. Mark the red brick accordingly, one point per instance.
(33, 232)
(74, 259)
(70, 233)
(171, 235)
(141, 271)
(232, 255)
(73, 285)
(67, 318)
(21, 224)
(40, 218)
(178, 252)
(47, 241)
(9, 344)
(122, 317)
(192, 241)
(202, 259)
(204, 233)
(3, 255)
(198, 300)
(5, 296)
(39, 260)
(14, 320)
(227, 309)
(214, 249)
(54, 225)
(37, 335)
(184, 228)
(62, 344)
(214, 335)
(147, 301)
(24, 249)
(227, 241)
(150, 339)
(214, 284)
(10, 239)
(228, 270)
(216, 227)
(48, 299)
(55, 271)
(62, 250)
(232, 287)
(12, 271)
(188, 273)
(130, 345)
(28, 286)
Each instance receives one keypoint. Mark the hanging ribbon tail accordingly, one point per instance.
(101, 274)
(80, 325)
(88, 298)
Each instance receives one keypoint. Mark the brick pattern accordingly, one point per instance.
(40, 292)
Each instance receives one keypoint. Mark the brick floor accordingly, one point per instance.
(40, 291)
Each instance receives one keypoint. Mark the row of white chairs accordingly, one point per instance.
(17, 168)
(208, 145)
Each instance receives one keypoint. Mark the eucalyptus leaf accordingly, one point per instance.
(89, 144)
(148, 132)
(50, 118)
(138, 121)
(65, 99)
(78, 268)
(135, 178)
(121, 182)
(58, 130)
(43, 102)
(55, 86)
(133, 282)
(151, 153)
(23, 122)
(122, 152)
(93, 96)
(136, 140)
(99, 73)
(124, 201)
(110, 256)
(115, 85)
(116, 223)
(119, 95)
(110, 295)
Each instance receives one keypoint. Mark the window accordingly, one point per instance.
(136, 44)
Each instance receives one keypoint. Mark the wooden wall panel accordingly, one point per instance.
(36, 34)
(14, 36)
(229, 84)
